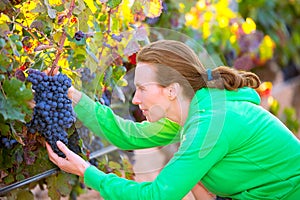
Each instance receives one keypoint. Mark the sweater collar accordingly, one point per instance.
(208, 97)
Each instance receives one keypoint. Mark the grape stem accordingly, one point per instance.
(106, 35)
(30, 31)
(3, 91)
(62, 39)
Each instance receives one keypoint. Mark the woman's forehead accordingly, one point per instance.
(144, 73)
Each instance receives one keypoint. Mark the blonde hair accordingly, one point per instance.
(170, 54)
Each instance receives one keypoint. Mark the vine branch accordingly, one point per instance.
(62, 39)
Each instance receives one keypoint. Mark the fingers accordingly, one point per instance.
(63, 148)
(52, 156)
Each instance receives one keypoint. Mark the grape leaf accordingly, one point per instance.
(141, 34)
(131, 48)
(16, 89)
(153, 8)
(3, 29)
(91, 5)
(79, 8)
(9, 111)
(137, 6)
(25, 195)
(60, 185)
(113, 3)
(14, 104)
(84, 18)
(4, 129)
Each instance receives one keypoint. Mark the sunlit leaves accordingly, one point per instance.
(91, 5)
(113, 3)
(40, 33)
(249, 26)
(152, 8)
(224, 30)
(266, 48)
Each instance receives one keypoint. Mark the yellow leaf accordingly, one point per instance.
(189, 19)
(249, 26)
(181, 7)
(201, 5)
(4, 18)
(126, 11)
(63, 63)
(152, 8)
(206, 30)
(266, 48)
(208, 16)
(233, 39)
(91, 5)
(55, 2)
(223, 22)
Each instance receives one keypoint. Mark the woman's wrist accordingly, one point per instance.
(74, 95)
(84, 168)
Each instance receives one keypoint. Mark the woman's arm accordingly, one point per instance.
(125, 134)
(175, 180)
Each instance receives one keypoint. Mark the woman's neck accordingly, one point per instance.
(179, 110)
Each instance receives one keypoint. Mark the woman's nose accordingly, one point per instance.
(135, 99)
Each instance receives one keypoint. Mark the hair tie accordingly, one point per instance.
(209, 75)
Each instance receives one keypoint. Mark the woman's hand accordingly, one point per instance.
(74, 95)
(73, 163)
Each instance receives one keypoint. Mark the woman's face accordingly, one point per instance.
(151, 98)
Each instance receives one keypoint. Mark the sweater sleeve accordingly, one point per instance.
(188, 166)
(125, 134)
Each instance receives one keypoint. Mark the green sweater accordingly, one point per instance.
(231, 144)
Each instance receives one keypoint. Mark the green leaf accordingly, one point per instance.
(9, 111)
(79, 8)
(15, 101)
(113, 3)
(2, 42)
(84, 18)
(25, 195)
(115, 24)
(16, 89)
(3, 29)
(103, 17)
(60, 185)
(4, 129)
(20, 177)
(9, 179)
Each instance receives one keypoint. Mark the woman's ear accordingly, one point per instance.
(173, 90)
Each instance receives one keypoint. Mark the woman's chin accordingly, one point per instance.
(152, 119)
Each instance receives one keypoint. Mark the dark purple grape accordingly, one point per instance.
(79, 35)
(152, 21)
(86, 75)
(117, 37)
(20, 75)
(8, 143)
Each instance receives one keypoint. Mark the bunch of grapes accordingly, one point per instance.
(8, 143)
(86, 75)
(53, 112)
(79, 35)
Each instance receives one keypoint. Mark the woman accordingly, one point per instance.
(229, 143)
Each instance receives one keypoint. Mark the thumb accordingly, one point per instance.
(62, 147)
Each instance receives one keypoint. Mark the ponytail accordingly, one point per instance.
(231, 79)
